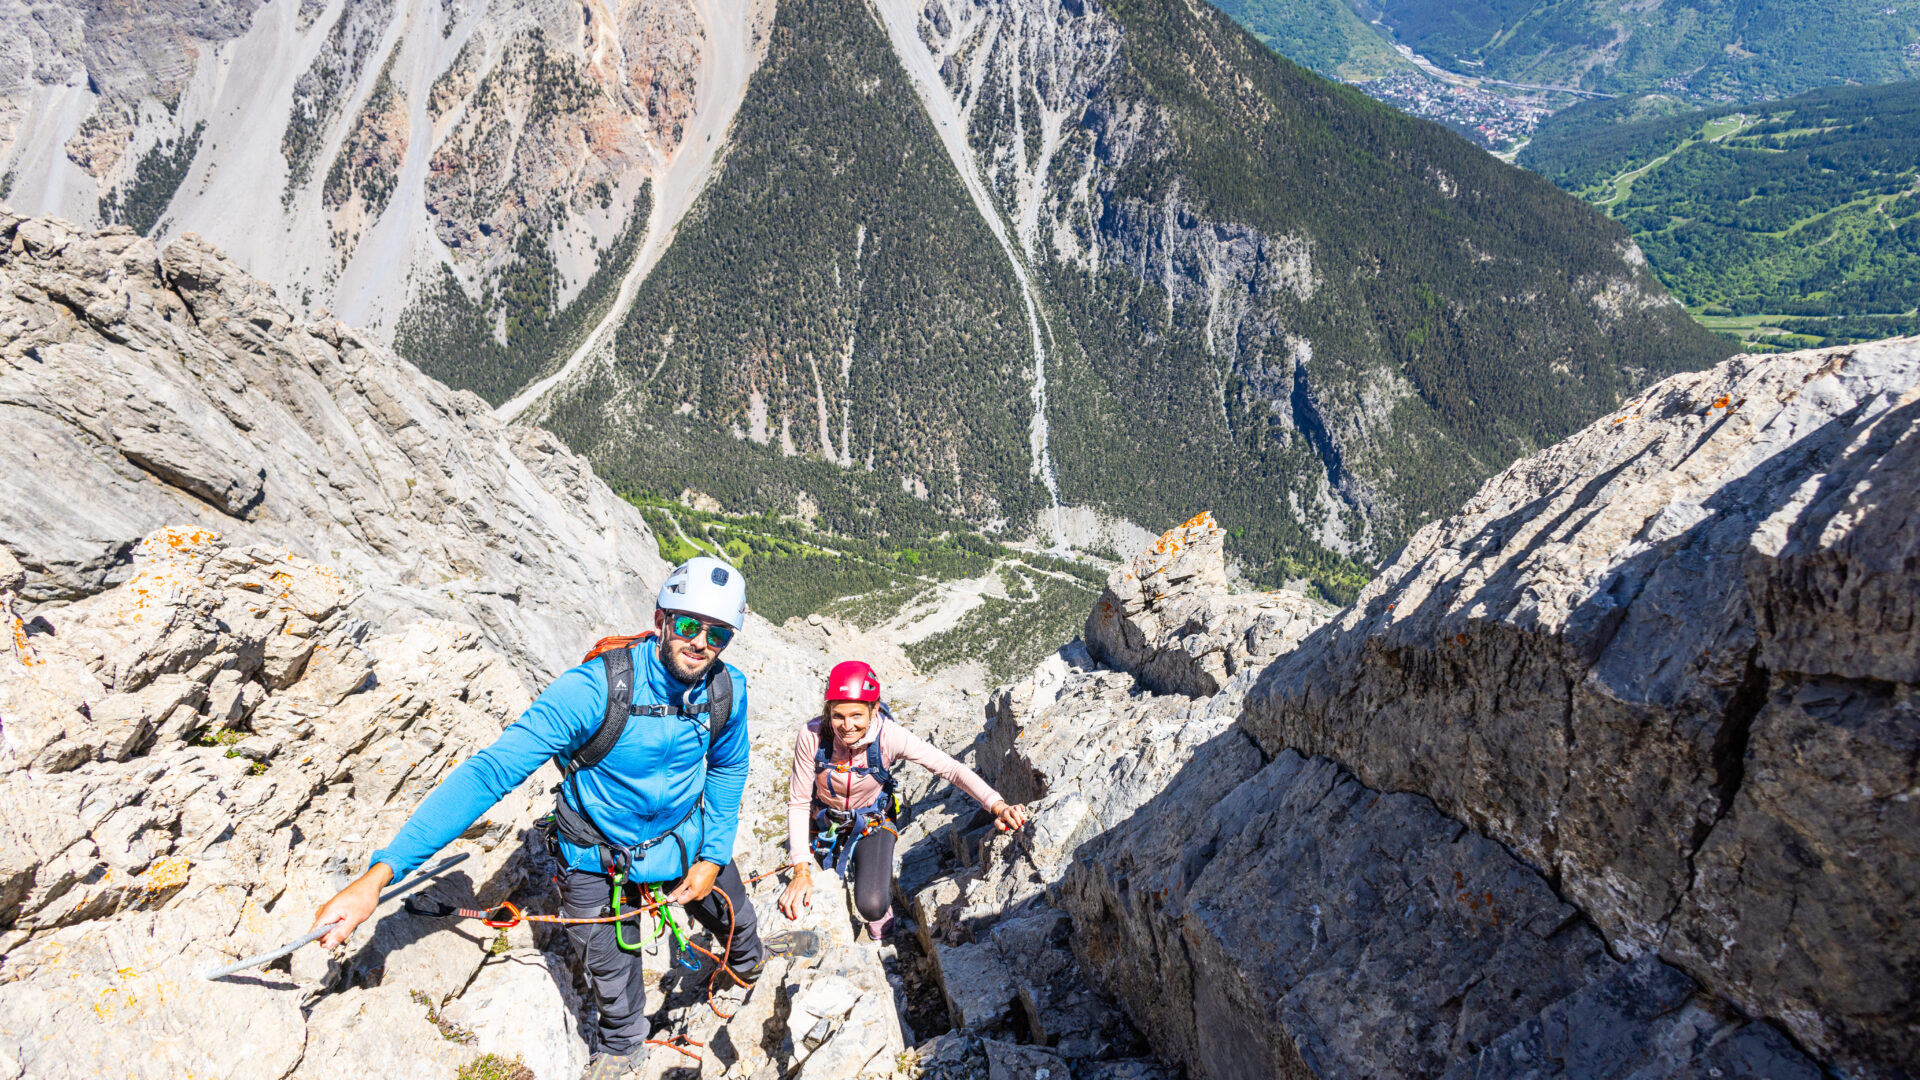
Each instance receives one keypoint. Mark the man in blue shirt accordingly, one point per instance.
(659, 804)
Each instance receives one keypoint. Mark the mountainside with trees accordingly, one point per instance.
(1325, 36)
(1724, 50)
(1788, 224)
(1253, 290)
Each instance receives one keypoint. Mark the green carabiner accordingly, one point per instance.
(619, 934)
(667, 920)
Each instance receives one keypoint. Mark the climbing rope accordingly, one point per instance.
(657, 904)
(770, 873)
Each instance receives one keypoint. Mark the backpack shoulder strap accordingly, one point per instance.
(823, 749)
(719, 702)
(613, 723)
(877, 766)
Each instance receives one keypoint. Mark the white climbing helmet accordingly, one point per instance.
(706, 587)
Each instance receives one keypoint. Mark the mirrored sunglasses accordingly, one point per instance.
(687, 626)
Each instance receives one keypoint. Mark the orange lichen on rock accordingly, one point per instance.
(1170, 541)
(165, 874)
(21, 646)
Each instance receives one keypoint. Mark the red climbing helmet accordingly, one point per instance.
(852, 681)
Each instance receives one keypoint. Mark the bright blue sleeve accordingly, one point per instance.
(727, 779)
(560, 720)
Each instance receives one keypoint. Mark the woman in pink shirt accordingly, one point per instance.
(840, 804)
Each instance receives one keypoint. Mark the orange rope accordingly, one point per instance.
(679, 1043)
(770, 873)
(487, 916)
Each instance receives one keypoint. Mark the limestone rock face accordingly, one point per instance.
(142, 387)
(1258, 911)
(1169, 618)
(1087, 748)
(1671, 663)
(192, 761)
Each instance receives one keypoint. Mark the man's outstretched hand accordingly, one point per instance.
(696, 885)
(352, 905)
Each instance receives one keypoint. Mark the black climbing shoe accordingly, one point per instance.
(797, 944)
(614, 1066)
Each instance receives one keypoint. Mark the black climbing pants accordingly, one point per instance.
(617, 983)
(872, 870)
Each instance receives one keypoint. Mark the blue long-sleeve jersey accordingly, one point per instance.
(643, 788)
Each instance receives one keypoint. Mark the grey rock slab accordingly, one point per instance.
(1306, 924)
(865, 1042)
(521, 1005)
(978, 986)
(1011, 1061)
(1643, 1020)
(1670, 663)
(187, 394)
(380, 1030)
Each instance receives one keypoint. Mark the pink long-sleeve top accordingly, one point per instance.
(844, 789)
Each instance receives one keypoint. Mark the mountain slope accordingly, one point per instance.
(1323, 35)
(1801, 207)
(833, 295)
(475, 181)
(1252, 289)
(1708, 49)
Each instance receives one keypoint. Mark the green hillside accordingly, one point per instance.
(837, 225)
(794, 569)
(1260, 293)
(1324, 35)
(1729, 50)
(1799, 217)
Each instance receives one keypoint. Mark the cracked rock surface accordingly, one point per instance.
(1671, 663)
(143, 387)
(1264, 912)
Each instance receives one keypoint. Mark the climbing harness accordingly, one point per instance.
(492, 917)
(837, 832)
(835, 837)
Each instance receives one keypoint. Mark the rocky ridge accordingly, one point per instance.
(240, 646)
(1670, 663)
(144, 386)
(1683, 638)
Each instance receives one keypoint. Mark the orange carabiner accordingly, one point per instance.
(507, 924)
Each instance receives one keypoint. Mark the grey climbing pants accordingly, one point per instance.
(618, 987)
(872, 872)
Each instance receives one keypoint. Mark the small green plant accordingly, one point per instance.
(494, 1067)
(453, 1032)
(220, 737)
(499, 945)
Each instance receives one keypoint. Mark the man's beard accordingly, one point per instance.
(670, 659)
